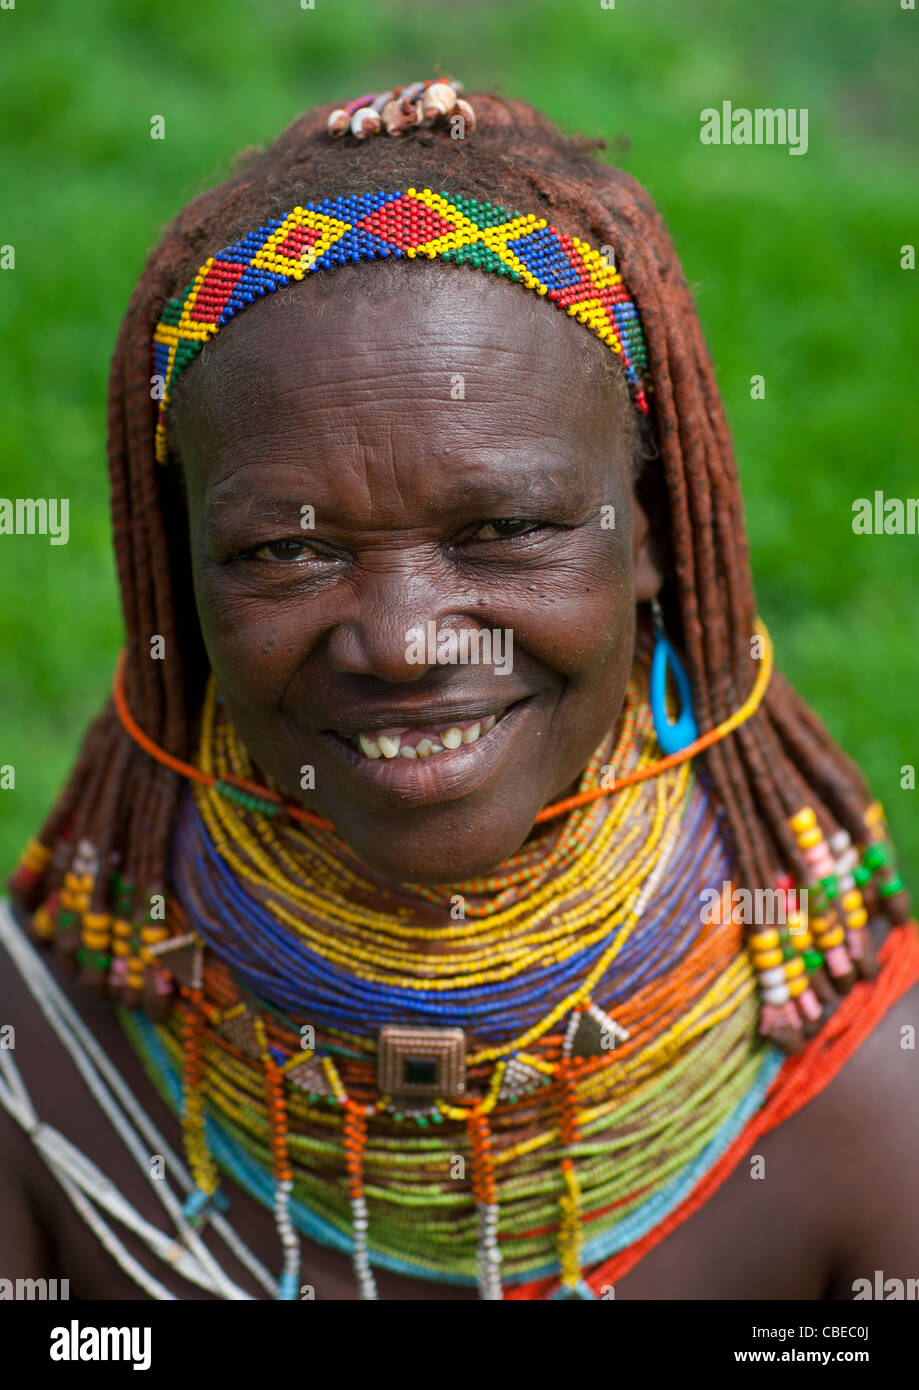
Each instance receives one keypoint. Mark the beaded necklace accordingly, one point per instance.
(609, 1033)
(598, 1077)
(88, 1188)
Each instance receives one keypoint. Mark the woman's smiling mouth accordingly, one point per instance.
(438, 759)
(425, 742)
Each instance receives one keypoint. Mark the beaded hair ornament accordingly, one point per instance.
(400, 224)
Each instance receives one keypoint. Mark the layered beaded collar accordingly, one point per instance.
(607, 1067)
(414, 223)
(505, 1107)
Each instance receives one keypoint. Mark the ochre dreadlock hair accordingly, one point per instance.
(122, 802)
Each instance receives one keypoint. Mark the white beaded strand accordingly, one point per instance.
(360, 1259)
(289, 1284)
(488, 1256)
(87, 1055)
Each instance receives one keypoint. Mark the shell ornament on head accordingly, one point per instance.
(403, 108)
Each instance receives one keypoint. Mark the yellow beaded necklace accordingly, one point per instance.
(313, 886)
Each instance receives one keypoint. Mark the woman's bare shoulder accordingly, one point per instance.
(862, 1136)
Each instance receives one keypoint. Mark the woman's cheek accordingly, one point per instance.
(246, 640)
(580, 616)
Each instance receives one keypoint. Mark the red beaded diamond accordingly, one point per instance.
(406, 223)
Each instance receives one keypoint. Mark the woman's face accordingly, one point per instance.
(407, 449)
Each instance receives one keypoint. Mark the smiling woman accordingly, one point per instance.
(345, 406)
(409, 932)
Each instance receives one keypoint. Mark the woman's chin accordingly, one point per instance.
(433, 860)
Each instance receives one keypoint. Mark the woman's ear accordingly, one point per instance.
(647, 572)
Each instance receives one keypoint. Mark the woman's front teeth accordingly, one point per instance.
(391, 745)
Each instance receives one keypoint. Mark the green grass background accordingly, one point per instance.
(795, 262)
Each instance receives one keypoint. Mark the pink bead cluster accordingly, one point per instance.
(403, 108)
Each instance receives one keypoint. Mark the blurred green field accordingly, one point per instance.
(795, 262)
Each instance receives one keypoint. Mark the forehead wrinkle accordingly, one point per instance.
(353, 437)
(423, 388)
(419, 384)
(484, 483)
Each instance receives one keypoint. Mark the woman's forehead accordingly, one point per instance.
(417, 357)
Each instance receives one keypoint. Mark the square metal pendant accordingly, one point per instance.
(422, 1063)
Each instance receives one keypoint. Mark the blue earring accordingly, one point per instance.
(672, 737)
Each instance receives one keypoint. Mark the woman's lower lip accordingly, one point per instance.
(446, 776)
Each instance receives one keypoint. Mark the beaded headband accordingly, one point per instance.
(417, 222)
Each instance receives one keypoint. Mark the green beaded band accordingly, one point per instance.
(247, 799)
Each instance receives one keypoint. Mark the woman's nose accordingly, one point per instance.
(392, 617)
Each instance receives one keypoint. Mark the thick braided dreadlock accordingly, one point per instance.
(122, 802)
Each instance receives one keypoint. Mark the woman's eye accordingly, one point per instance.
(504, 530)
(291, 549)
